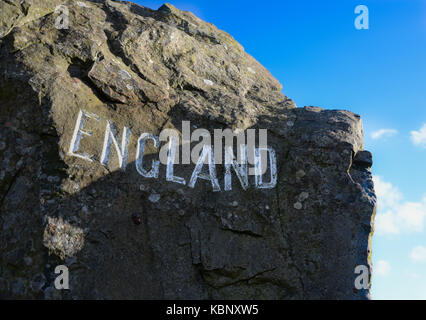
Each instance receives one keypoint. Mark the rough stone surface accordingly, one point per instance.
(125, 236)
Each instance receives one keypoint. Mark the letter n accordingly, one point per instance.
(122, 151)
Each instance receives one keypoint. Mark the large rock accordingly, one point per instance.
(123, 235)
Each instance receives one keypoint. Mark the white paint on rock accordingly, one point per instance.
(251, 70)
(124, 75)
(303, 196)
(78, 134)
(208, 82)
(240, 167)
(298, 206)
(82, 4)
(155, 197)
(122, 150)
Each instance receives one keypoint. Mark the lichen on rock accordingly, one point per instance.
(62, 238)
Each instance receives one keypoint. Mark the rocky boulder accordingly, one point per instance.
(86, 88)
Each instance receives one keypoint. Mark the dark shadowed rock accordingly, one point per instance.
(125, 236)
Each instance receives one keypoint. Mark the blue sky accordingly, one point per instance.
(314, 50)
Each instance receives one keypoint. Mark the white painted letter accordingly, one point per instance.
(78, 132)
(260, 169)
(240, 170)
(206, 154)
(205, 140)
(111, 136)
(171, 155)
(153, 173)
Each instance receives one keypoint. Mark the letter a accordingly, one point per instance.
(62, 281)
(361, 22)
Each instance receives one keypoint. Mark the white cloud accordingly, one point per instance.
(394, 215)
(414, 276)
(419, 137)
(383, 133)
(418, 254)
(382, 268)
(388, 195)
(385, 224)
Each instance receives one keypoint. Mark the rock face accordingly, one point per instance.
(126, 236)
